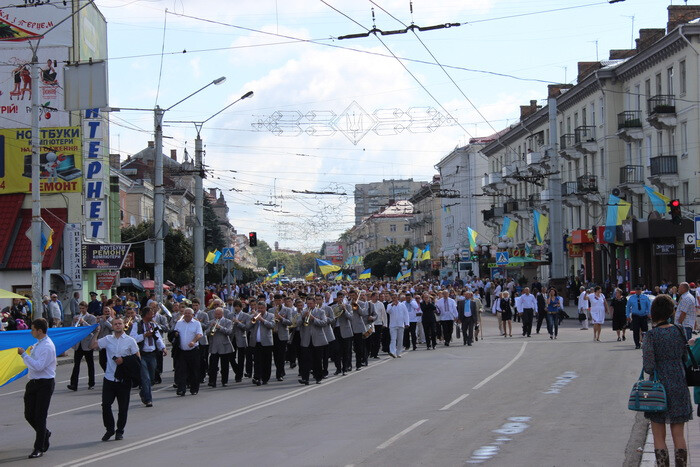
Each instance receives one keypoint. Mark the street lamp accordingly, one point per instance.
(159, 192)
(198, 237)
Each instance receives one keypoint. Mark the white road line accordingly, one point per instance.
(205, 423)
(507, 365)
(93, 405)
(455, 402)
(397, 436)
(58, 382)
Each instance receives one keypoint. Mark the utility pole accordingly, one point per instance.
(557, 270)
(36, 190)
(198, 236)
(158, 204)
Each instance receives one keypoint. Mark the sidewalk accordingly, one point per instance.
(692, 437)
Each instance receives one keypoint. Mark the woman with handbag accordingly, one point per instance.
(664, 353)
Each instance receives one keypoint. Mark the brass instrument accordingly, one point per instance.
(369, 331)
(255, 318)
(354, 305)
(307, 318)
(128, 323)
(213, 328)
(295, 319)
(338, 310)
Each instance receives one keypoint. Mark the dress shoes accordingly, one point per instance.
(107, 435)
(212, 385)
(46, 441)
(119, 436)
(181, 393)
(148, 404)
(35, 453)
(194, 393)
(91, 386)
(72, 388)
(337, 372)
(304, 382)
(257, 382)
(279, 378)
(223, 385)
(238, 380)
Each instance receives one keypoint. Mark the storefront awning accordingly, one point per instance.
(66, 279)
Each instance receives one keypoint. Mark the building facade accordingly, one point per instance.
(370, 198)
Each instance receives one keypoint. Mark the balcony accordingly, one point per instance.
(492, 183)
(567, 147)
(587, 188)
(664, 171)
(584, 139)
(534, 201)
(568, 194)
(537, 162)
(662, 111)
(629, 125)
(492, 215)
(511, 171)
(632, 179)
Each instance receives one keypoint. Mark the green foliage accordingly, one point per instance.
(213, 237)
(385, 261)
(263, 253)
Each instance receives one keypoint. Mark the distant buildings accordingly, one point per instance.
(370, 198)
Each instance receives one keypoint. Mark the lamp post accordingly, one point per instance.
(159, 191)
(198, 237)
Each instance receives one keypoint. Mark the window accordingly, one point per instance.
(406, 228)
(672, 141)
(602, 161)
(686, 193)
(649, 150)
(602, 111)
(392, 228)
(583, 116)
(669, 81)
(647, 90)
(568, 124)
(682, 77)
(658, 84)
(684, 139)
(640, 155)
(659, 143)
(637, 97)
(628, 152)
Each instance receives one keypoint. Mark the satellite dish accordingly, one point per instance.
(616, 192)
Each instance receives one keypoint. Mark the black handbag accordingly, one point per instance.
(692, 370)
(458, 331)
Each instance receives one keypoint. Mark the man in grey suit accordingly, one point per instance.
(343, 335)
(260, 339)
(203, 318)
(219, 331)
(312, 341)
(83, 349)
(240, 320)
(359, 315)
(280, 334)
(328, 331)
(369, 323)
(466, 312)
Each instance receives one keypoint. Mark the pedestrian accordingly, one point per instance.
(82, 349)
(541, 309)
(41, 366)
(553, 309)
(189, 331)
(150, 343)
(664, 354)
(685, 312)
(506, 314)
(117, 382)
(428, 309)
(528, 305)
(638, 309)
(583, 307)
(619, 314)
(599, 308)
(398, 319)
(447, 310)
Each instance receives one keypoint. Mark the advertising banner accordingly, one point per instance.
(20, 20)
(105, 280)
(106, 256)
(61, 160)
(16, 87)
(72, 241)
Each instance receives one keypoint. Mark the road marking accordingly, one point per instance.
(205, 423)
(507, 365)
(97, 403)
(455, 402)
(59, 382)
(389, 441)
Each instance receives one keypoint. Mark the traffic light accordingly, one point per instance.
(253, 239)
(675, 208)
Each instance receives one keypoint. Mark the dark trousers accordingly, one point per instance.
(410, 336)
(250, 357)
(103, 359)
(541, 316)
(359, 347)
(294, 349)
(385, 338)
(639, 323)
(37, 398)
(78, 356)
(159, 367)
(325, 354)
(310, 361)
(279, 352)
(188, 369)
(375, 339)
(226, 360)
(468, 329)
(203, 362)
(241, 353)
(343, 360)
(262, 366)
(429, 328)
(447, 328)
(120, 391)
(528, 315)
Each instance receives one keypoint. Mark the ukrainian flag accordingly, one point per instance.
(210, 257)
(366, 274)
(403, 276)
(658, 201)
(426, 253)
(310, 275)
(339, 277)
(541, 226)
(471, 236)
(509, 227)
(407, 255)
(12, 366)
(326, 267)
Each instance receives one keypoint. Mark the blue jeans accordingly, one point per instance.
(553, 323)
(148, 371)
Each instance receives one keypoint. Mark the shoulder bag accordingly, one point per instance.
(647, 395)
(692, 370)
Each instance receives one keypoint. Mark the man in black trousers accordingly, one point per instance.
(41, 365)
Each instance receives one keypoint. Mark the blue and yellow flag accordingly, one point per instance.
(366, 274)
(326, 267)
(339, 277)
(471, 236)
(407, 255)
(217, 256)
(310, 275)
(426, 252)
(403, 276)
(509, 227)
(210, 257)
(12, 366)
(417, 253)
(658, 201)
(541, 223)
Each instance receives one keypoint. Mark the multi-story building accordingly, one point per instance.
(370, 198)
(629, 122)
(391, 226)
(426, 224)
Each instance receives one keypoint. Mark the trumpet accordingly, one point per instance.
(213, 328)
(256, 318)
(128, 323)
(307, 318)
(354, 305)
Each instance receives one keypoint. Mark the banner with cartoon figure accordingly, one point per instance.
(61, 160)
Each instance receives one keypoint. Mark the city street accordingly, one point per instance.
(515, 401)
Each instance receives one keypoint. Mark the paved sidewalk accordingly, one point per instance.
(692, 436)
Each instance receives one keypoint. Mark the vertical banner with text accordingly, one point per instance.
(96, 175)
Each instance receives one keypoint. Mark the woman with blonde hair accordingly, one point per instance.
(506, 314)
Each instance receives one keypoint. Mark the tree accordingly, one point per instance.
(385, 261)
(213, 237)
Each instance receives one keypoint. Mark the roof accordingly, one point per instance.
(9, 208)
(21, 255)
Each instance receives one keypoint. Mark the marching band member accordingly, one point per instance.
(202, 316)
(359, 314)
(240, 340)
(343, 334)
(328, 332)
(312, 341)
(82, 349)
(280, 335)
(150, 343)
(190, 332)
(219, 331)
(376, 309)
(260, 339)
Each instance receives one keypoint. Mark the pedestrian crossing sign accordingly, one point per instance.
(502, 258)
(228, 254)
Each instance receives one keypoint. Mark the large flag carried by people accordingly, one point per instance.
(326, 267)
(366, 274)
(12, 366)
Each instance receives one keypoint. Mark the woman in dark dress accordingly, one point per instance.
(663, 352)
(506, 314)
(619, 317)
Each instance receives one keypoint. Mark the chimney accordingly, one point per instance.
(681, 14)
(173, 154)
(556, 90)
(212, 192)
(648, 37)
(114, 161)
(617, 54)
(586, 68)
(527, 110)
(151, 144)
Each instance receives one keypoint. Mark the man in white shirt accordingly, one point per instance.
(150, 342)
(55, 312)
(379, 323)
(447, 310)
(41, 366)
(120, 347)
(528, 305)
(189, 333)
(398, 319)
(685, 311)
(413, 310)
(583, 307)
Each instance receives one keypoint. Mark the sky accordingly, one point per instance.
(329, 113)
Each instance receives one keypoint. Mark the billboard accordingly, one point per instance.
(34, 18)
(16, 87)
(104, 256)
(61, 160)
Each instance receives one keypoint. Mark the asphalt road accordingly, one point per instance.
(514, 401)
